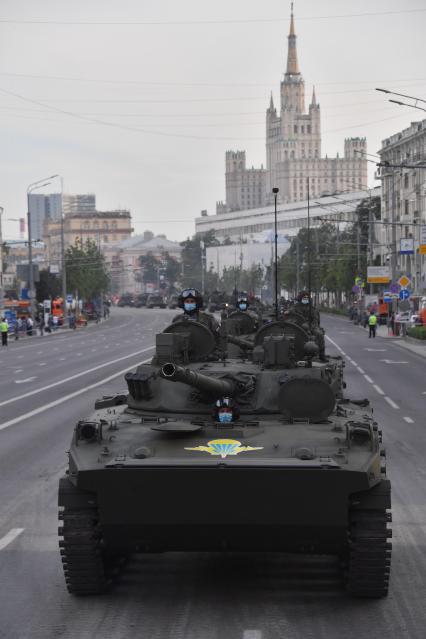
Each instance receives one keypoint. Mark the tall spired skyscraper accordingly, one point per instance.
(293, 151)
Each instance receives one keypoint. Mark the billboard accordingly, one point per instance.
(422, 244)
(378, 274)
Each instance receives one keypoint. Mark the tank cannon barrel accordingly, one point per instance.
(241, 342)
(217, 387)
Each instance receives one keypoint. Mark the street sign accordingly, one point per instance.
(387, 297)
(404, 294)
(406, 246)
(395, 288)
(378, 274)
(355, 289)
(404, 281)
(69, 299)
(422, 244)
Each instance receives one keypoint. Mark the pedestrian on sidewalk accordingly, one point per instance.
(30, 326)
(4, 330)
(372, 323)
(17, 328)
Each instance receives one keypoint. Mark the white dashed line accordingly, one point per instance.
(408, 420)
(361, 370)
(391, 403)
(19, 370)
(369, 380)
(252, 634)
(65, 398)
(10, 536)
(378, 389)
(43, 364)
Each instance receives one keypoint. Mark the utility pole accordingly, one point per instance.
(393, 221)
(358, 248)
(370, 237)
(63, 262)
(275, 191)
(297, 265)
(202, 266)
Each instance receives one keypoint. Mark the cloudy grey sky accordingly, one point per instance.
(137, 101)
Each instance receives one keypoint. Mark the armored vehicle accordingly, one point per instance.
(297, 470)
(155, 299)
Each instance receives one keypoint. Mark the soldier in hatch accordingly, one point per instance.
(191, 301)
(311, 314)
(225, 410)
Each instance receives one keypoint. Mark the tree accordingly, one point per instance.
(86, 270)
(191, 257)
(149, 265)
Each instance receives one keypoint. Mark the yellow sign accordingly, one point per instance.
(404, 281)
(378, 280)
(422, 249)
(224, 447)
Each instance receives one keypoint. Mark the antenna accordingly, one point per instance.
(309, 258)
(275, 191)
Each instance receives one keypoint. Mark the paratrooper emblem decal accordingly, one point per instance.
(225, 447)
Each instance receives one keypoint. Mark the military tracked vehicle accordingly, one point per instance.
(298, 470)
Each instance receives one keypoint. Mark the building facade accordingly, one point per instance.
(103, 227)
(293, 152)
(291, 218)
(403, 176)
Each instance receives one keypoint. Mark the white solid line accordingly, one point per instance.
(368, 379)
(334, 344)
(354, 362)
(65, 398)
(10, 536)
(409, 420)
(76, 376)
(361, 370)
(378, 389)
(391, 403)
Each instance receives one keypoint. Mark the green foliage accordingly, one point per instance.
(49, 286)
(86, 270)
(331, 254)
(418, 332)
(191, 257)
(149, 265)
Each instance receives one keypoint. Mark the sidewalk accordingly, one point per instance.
(414, 345)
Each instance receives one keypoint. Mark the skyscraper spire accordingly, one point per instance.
(271, 103)
(314, 97)
(292, 64)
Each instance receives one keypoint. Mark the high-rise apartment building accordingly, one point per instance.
(293, 152)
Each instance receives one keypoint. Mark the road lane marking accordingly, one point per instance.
(24, 381)
(361, 370)
(378, 389)
(19, 370)
(391, 361)
(76, 376)
(252, 634)
(375, 350)
(10, 536)
(43, 364)
(65, 398)
(391, 403)
(368, 379)
(408, 420)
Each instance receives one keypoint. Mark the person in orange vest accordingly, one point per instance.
(372, 323)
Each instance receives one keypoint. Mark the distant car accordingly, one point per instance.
(173, 301)
(141, 300)
(403, 317)
(126, 300)
(155, 300)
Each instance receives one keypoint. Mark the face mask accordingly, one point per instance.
(243, 307)
(225, 418)
(305, 300)
(190, 307)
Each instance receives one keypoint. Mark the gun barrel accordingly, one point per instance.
(218, 387)
(239, 341)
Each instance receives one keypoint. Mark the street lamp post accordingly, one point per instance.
(32, 187)
(275, 191)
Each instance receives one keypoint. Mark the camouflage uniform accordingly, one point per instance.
(199, 316)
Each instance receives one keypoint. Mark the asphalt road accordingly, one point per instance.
(203, 595)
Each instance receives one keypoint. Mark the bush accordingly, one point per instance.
(418, 332)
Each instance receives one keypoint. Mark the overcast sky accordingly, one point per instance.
(141, 113)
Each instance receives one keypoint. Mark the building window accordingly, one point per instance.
(302, 129)
(308, 128)
(295, 128)
(105, 238)
(406, 206)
